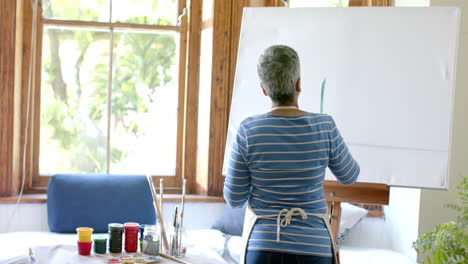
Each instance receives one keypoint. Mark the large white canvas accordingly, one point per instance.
(390, 80)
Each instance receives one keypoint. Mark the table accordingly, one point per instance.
(68, 254)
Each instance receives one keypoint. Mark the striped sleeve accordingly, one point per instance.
(237, 181)
(342, 163)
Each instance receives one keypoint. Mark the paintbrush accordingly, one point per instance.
(175, 237)
(184, 183)
(183, 203)
(173, 258)
(161, 192)
(322, 94)
(159, 214)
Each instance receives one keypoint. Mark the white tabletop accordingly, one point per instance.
(68, 254)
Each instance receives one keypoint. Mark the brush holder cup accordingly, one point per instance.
(178, 242)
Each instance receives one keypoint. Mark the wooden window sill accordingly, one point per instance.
(168, 198)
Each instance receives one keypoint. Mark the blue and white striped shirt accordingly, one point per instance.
(279, 162)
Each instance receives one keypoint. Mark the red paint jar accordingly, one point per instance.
(84, 248)
(131, 236)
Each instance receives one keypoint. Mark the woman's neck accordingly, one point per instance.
(273, 105)
(287, 109)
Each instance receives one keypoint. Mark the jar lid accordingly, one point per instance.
(151, 227)
(114, 260)
(131, 226)
(115, 226)
(100, 238)
(84, 229)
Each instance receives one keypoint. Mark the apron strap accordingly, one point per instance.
(287, 214)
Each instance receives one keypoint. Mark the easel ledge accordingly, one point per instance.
(361, 192)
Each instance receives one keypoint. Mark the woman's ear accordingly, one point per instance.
(264, 91)
(298, 85)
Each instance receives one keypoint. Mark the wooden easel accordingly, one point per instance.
(364, 193)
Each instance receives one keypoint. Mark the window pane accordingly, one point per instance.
(90, 10)
(144, 103)
(155, 12)
(73, 101)
(318, 3)
(207, 10)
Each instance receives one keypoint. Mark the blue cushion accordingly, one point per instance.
(75, 200)
(232, 221)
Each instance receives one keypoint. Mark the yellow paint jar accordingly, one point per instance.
(84, 234)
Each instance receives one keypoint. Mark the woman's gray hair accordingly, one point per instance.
(279, 69)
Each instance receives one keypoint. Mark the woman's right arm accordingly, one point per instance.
(341, 163)
(237, 181)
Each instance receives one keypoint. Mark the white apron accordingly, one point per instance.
(283, 220)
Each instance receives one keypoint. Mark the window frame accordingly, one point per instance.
(36, 183)
(224, 21)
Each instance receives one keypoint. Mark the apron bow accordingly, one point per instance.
(284, 222)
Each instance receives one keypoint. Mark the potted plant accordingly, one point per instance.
(447, 243)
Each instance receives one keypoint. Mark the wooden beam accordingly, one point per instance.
(334, 209)
(367, 193)
(26, 60)
(7, 91)
(236, 21)
(106, 25)
(382, 3)
(192, 86)
(17, 147)
(219, 93)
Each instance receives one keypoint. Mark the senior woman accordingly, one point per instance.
(277, 165)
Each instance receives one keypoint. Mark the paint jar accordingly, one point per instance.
(131, 237)
(84, 234)
(142, 230)
(151, 240)
(84, 248)
(100, 244)
(115, 237)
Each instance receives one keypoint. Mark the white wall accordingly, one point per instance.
(33, 217)
(28, 217)
(402, 219)
(432, 211)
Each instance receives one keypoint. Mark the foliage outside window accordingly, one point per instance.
(109, 87)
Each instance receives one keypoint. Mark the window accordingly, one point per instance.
(110, 88)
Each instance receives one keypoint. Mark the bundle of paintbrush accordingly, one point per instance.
(177, 240)
(157, 203)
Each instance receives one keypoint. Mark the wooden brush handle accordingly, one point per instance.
(173, 258)
(158, 212)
